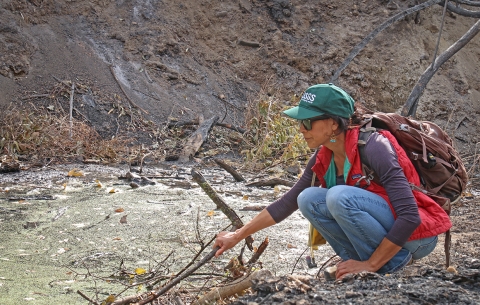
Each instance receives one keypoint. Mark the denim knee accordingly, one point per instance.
(337, 199)
(305, 199)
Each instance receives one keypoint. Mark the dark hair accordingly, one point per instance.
(356, 119)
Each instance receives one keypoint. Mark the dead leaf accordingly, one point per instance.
(290, 246)
(211, 213)
(123, 219)
(117, 238)
(75, 173)
(119, 210)
(110, 299)
(112, 191)
(99, 184)
(245, 197)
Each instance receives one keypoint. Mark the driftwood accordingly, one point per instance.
(221, 204)
(232, 288)
(195, 122)
(196, 139)
(410, 107)
(271, 182)
(230, 170)
(375, 32)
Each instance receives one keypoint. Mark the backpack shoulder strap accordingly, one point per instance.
(366, 131)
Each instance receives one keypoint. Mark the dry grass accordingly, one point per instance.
(37, 135)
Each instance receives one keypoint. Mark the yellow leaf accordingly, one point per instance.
(99, 184)
(245, 197)
(110, 299)
(211, 213)
(131, 276)
(140, 271)
(139, 288)
(75, 173)
(111, 191)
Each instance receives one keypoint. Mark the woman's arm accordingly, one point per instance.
(274, 213)
(227, 240)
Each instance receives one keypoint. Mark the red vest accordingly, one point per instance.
(434, 219)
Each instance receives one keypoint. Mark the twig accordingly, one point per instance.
(71, 109)
(298, 259)
(154, 295)
(259, 252)
(87, 298)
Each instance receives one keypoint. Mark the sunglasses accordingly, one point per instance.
(307, 123)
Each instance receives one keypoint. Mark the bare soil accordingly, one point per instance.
(137, 65)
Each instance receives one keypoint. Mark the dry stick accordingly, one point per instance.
(221, 204)
(374, 33)
(259, 252)
(153, 295)
(195, 122)
(410, 107)
(196, 139)
(87, 298)
(462, 11)
(232, 288)
(124, 92)
(71, 109)
(271, 182)
(229, 169)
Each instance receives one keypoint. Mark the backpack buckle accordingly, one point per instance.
(367, 179)
(404, 127)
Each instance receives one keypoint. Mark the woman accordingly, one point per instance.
(377, 227)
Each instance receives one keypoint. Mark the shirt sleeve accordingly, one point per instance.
(382, 159)
(287, 204)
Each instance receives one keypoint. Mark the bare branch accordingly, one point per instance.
(374, 33)
(461, 11)
(410, 107)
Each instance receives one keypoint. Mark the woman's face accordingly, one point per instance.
(320, 133)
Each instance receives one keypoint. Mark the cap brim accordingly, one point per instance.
(301, 113)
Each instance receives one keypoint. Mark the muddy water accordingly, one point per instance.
(61, 234)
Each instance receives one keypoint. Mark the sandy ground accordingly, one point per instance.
(76, 240)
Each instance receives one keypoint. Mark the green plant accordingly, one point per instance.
(271, 136)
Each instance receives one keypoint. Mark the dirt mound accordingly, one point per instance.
(168, 60)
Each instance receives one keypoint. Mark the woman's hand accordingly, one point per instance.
(226, 240)
(352, 266)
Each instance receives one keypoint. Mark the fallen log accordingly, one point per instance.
(230, 170)
(232, 288)
(196, 139)
(271, 182)
(221, 204)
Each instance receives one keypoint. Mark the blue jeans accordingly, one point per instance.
(355, 221)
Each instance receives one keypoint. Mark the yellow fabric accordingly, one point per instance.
(315, 239)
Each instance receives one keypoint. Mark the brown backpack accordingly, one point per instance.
(441, 171)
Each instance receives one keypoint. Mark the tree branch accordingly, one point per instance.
(410, 107)
(374, 33)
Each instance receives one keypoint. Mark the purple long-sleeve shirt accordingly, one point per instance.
(382, 159)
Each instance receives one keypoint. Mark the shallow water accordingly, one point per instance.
(49, 249)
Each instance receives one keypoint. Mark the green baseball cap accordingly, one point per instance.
(322, 99)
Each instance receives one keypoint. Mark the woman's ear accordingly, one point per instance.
(334, 124)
